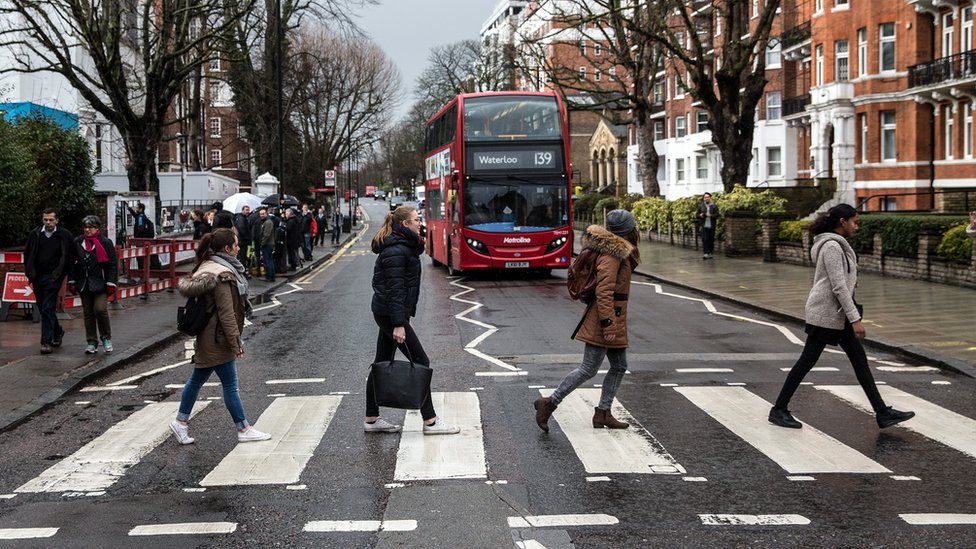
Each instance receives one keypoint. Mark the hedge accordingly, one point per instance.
(651, 212)
(792, 231)
(956, 244)
(899, 233)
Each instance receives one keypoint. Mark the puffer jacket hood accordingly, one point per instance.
(603, 241)
(821, 239)
(205, 279)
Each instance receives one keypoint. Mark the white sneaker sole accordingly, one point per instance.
(239, 439)
(180, 440)
(450, 432)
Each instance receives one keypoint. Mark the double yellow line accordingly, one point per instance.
(335, 257)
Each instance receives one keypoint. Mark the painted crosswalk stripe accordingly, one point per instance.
(103, 461)
(424, 457)
(703, 370)
(27, 533)
(912, 369)
(184, 528)
(753, 520)
(922, 519)
(360, 526)
(604, 451)
(297, 380)
(814, 369)
(297, 425)
(550, 521)
(798, 451)
(931, 421)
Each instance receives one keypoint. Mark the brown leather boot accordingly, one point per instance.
(544, 407)
(603, 418)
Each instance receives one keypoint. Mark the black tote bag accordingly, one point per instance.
(401, 384)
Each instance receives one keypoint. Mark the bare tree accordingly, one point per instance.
(457, 68)
(728, 78)
(127, 59)
(628, 64)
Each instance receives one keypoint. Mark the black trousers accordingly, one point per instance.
(811, 353)
(386, 348)
(708, 240)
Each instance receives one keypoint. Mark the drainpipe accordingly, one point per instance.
(935, 105)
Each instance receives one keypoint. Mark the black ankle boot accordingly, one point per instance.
(783, 418)
(889, 416)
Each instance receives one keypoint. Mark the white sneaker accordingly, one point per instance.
(381, 426)
(181, 432)
(252, 435)
(440, 427)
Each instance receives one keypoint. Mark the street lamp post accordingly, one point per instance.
(181, 143)
(281, 122)
(349, 179)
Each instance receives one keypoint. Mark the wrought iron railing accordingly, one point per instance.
(795, 105)
(795, 35)
(944, 69)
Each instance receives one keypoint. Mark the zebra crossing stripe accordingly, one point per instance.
(360, 526)
(297, 425)
(604, 451)
(931, 421)
(550, 521)
(184, 528)
(103, 461)
(753, 520)
(922, 519)
(798, 451)
(425, 457)
(27, 533)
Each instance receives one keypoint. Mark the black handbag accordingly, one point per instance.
(400, 384)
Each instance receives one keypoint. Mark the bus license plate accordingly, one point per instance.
(516, 264)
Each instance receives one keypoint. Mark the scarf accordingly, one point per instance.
(236, 267)
(93, 243)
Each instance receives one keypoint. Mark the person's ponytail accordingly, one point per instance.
(211, 243)
(386, 229)
(829, 221)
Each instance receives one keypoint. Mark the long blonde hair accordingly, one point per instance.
(396, 217)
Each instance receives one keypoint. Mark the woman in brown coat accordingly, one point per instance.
(219, 279)
(604, 325)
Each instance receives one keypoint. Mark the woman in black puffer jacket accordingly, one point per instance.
(396, 288)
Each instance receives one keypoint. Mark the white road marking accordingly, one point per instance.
(194, 489)
(339, 393)
(274, 299)
(471, 346)
(941, 382)
(529, 544)
(800, 478)
(184, 528)
(101, 389)
(632, 450)
(669, 385)
(296, 487)
(549, 521)
(103, 461)
(694, 479)
(296, 425)
(537, 386)
(360, 526)
(27, 533)
(815, 369)
(931, 421)
(147, 374)
(753, 520)
(798, 451)
(501, 374)
(903, 368)
(335, 257)
(394, 485)
(83, 402)
(921, 519)
(296, 380)
(276, 395)
(597, 479)
(904, 477)
(703, 370)
(8, 496)
(429, 457)
(181, 385)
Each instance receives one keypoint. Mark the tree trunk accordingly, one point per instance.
(736, 151)
(195, 126)
(648, 157)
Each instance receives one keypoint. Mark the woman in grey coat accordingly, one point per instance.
(833, 317)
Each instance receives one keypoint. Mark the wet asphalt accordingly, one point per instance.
(326, 330)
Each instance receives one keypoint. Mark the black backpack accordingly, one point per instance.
(192, 318)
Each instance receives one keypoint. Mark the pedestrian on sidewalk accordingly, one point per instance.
(707, 220)
(267, 242)
(218, 277)
(322, 224)
(47, 261)
(200, 224)
(396, 288)
(242, 225)
(306, 221)
(294, 236)
(604, 325)
(336, 225)
(971, 228)
(94, 278)
(833, 317)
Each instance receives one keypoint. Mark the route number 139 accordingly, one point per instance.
(543, 159)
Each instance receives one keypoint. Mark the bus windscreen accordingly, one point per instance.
(504, 206)
(511, 118)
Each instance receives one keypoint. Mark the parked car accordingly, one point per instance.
(379, 195)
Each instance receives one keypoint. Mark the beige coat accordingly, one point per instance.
(831, 299)
(220, 341)
(614, 266)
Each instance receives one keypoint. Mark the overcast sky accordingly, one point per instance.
(407, 29)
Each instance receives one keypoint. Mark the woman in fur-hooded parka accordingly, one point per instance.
(608, 315)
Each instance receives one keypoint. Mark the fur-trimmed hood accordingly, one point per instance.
(205, 279)
(603, 241)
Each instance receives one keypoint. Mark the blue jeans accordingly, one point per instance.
(592, 359)
(46, 289)
(267, 256)
(307, 246)
(227, 372)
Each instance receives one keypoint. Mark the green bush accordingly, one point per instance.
(604, 205)
(584, 204)
(956, 244)
(684, 213)
(745, 200)
(899, 233)
(628, 201)
(18, 188)
(651, 212)
(792, 231)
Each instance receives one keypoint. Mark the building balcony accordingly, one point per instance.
(932, 7)
(795, 42)
(832, 93)
(945, 72)
(793, 106)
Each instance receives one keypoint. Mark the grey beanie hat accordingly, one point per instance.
(621, 222)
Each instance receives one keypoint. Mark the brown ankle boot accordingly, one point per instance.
(544, 407)
(603, 418)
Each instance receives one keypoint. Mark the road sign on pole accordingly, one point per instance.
(330, 178)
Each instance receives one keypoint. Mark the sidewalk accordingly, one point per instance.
(933, 322)
(30, 381)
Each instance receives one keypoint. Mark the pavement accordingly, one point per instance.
(30, 381)
(700, 467)
(922, 320)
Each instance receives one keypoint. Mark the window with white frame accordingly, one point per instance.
(582, 45)
(679, 87)
(889, 152)
(667, 88)
(950, 124)
(863, 122)
(862, 51)
(701, 121)
(842, 65)
(819, 65)
(582, 73)
(215, 158)
(754, 170)
(818, 6)
(215, 127)
(966, 40)
(658, 92)
(774, 162)
(755, 8)
(597, 49)
(701, 166)
(886, 47)
(679, 126)
(774, 106)
(679, 169)
(948, 34)
(658, 130)
(967, 130)
(841, 4)
(773, 54)
(597, 75)
(612, 71)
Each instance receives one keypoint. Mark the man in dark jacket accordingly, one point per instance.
(223, 219)
(306, 223)
(707, 221)
(265, 239)
(336, 225)
(293, 228)
(322, 224)
(243, 226)
(143, 227)
(47, 260)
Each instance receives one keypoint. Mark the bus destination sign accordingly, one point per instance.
(528, 159)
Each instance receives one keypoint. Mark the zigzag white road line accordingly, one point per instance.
(471, 346)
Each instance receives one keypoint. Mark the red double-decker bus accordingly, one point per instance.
(498, 183)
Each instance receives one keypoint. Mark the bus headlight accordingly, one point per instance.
(556, 244)
(477, 245)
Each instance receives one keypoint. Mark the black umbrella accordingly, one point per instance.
(288, 200)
